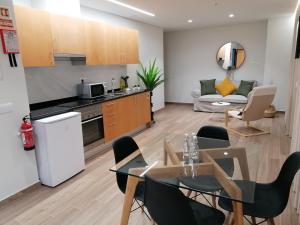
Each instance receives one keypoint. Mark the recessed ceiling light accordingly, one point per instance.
(190, 21)
(231, 15)
(131, 7)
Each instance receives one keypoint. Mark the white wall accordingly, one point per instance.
(279, 46)
(190, 56)
(17, 167)
(64, 77)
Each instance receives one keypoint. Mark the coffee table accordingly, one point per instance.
(219, 107)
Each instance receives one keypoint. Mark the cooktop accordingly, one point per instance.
(80, 102)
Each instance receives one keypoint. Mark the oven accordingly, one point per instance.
(92, 123)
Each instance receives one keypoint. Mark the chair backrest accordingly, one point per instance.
(286, 177)
(123, 147)
(167, 205)
(260, 99)
(213, 132)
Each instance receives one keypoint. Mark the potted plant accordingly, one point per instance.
(151, 78)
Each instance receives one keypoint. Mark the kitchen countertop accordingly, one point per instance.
(63, 106)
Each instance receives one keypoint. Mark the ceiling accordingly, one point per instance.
(173, 14)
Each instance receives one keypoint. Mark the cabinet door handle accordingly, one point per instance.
(91, 120)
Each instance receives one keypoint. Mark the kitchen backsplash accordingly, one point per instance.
(45, 84)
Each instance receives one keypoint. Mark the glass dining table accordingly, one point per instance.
(222, 170)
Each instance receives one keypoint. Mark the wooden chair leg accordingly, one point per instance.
(189, 193)
(271, 221)
(214, 201)
(226, 118)
(195, 196)
(230, 219)
(129, 196)
(238, 213)
(143, 207)
(253, 220)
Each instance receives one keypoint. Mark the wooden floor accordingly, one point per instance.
(92, 197)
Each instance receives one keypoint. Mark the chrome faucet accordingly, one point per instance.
(113, 86)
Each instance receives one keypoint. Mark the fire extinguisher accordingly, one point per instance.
(27, 134)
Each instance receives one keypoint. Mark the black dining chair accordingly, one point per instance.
(220, 133)
(209, 183)
(123, 147)
(270, 199)
(213, 132)
(167, 205)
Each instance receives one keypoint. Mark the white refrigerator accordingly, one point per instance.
(59, 147)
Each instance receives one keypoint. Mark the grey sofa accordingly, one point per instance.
(204, 103)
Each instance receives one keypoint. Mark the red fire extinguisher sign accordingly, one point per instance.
(27, 134)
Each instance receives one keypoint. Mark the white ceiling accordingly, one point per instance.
(173, 14)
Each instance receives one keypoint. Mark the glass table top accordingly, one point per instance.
(222, 170)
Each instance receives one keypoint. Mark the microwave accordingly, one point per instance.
(92, 90)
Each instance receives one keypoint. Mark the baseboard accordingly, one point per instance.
(179, 103)
(26, 189)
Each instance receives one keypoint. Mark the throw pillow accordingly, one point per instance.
(226, 87)
(208, 87)
(245, 88)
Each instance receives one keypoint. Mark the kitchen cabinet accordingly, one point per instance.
(68, 35)
(95, 43)
(111, 45)
(110, 119)
(35, 38)
(129, 45)
(125, 114)
(42, 35)
(143, 108)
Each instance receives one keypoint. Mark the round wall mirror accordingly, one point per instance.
(231, 56)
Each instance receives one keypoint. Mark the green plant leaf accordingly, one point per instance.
(151, 76)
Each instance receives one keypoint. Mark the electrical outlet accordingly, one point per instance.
(83, 79)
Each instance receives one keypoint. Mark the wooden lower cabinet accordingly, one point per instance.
(143, 108)
(123, 115)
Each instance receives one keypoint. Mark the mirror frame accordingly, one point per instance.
(221, 66)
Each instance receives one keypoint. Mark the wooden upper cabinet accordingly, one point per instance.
(68, 35)
(41, 35)
(112, 43)
(109, 45)
(129, 46)
(95, 43)
(35, 38)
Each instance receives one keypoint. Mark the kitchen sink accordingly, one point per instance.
(119, 93)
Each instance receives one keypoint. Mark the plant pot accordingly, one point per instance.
(151, 108)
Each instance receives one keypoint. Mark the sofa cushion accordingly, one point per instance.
(244, 88)
(235, 99)
(210, 98)
(208, 87)
(226, 87)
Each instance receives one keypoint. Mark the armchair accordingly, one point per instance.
(260, 99)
